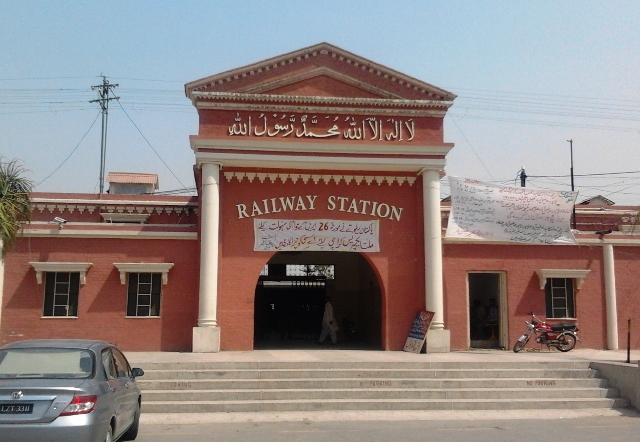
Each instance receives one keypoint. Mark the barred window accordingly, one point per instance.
(61, 291)
(559, 298)
(143, 297)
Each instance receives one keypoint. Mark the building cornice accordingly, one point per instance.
(320, 178)
(319, 156)
(311, 162)
(625, 241)
(300, 103)
(111, 202)
(325, 149)
(116, 207)
(31, 232)
(390, 112)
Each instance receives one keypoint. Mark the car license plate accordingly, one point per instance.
(16, 408)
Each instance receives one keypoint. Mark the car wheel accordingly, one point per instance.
(132, 432)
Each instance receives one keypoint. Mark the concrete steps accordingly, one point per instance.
(306, 386)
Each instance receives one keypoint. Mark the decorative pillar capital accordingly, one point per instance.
(202, 163)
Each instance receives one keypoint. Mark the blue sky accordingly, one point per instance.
(529, 76)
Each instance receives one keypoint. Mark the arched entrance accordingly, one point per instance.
(289, 300)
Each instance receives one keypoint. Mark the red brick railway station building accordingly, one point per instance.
(318, 172)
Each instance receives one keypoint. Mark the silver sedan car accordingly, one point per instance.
(67, 390)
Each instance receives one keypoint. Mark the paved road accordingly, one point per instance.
(534, 425)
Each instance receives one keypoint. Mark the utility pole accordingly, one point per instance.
(572, 185)
(103, 101)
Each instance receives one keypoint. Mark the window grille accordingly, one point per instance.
(143, 297)
(559, 298)
(61, 294)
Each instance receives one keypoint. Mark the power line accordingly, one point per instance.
(584, 175)
(472, 149)
(544, 123)
(145, 139)
(552, 97)
(152, 80)
(72, 152)
(43, 78)
(188, 190)
(541, 109)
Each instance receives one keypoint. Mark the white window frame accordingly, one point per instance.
(55, 295)
(567, 291)
(138, 295)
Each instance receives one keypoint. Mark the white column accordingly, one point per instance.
(610, 296)
(206, 336)
(438, 339)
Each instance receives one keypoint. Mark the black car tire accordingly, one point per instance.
(132, 432)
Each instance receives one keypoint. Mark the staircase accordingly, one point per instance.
(206, 387)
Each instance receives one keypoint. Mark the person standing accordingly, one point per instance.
(491, 322)
(478, 316)
(329, 324)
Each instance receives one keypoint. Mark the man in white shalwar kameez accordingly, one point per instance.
(329, 324)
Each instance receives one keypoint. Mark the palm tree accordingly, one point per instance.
(15, 202)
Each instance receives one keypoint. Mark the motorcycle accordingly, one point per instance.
(562, 336)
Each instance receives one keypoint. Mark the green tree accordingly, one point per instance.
(15, 201)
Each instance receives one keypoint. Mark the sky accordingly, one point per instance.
(529, 76)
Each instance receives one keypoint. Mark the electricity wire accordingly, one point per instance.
(72, 152)
(148, 143)
(478, 104)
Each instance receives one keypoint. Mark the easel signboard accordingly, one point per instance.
(418, 332)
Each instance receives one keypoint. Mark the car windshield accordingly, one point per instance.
(45, 363)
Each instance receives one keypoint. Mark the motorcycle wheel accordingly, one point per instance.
(567, 342)
(520, 343)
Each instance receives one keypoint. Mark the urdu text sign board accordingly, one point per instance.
(515, 214)
(281, 235)
(418, 332)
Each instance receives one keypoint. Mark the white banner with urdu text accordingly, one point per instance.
(516, 214)
(316, 235)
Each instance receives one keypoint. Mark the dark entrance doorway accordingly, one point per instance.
(487, 300)
(289, 300)
(288, 308)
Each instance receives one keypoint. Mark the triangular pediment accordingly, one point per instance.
(322, 70)
(320, 81)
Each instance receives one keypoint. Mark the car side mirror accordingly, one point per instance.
(137, 372)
